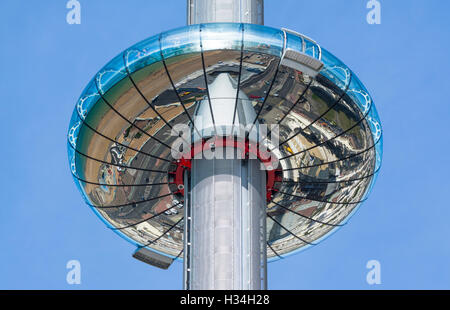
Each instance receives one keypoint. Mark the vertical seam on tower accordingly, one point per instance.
(214, 224)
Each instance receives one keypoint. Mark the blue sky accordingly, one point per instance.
(403, 62)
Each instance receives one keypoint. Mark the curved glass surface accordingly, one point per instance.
(120, 133)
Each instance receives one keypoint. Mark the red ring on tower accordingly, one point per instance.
(178, 167)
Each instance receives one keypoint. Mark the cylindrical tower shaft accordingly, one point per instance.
(226, 233)
(233, 11)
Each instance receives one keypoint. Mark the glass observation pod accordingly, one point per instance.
(330, 137)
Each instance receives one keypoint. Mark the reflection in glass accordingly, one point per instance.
(119, 138)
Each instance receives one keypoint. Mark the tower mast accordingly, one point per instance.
(225, 204)
(224, 11)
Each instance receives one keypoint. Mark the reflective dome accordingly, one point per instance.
(119, 140)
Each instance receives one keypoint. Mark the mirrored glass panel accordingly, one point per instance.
(120, 134)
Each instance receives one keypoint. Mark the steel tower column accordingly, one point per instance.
(233, 11)
(225, 209)
(227, 225)
(225, 202)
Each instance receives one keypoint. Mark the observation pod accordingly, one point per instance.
(299, 135)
